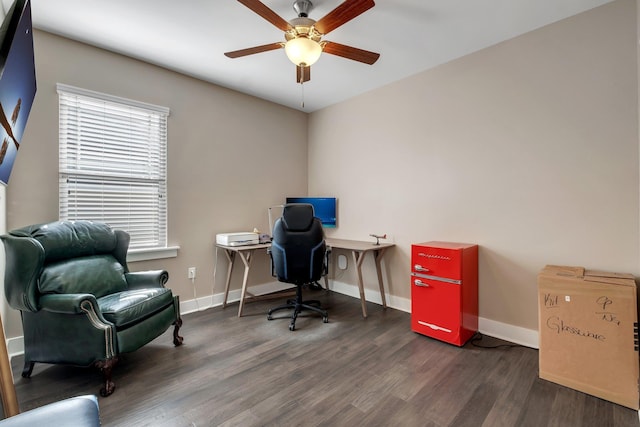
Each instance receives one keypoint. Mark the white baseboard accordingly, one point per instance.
(204, 303)
(514, 334)
(15, 346)
(504, 331)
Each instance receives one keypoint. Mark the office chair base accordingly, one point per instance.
(298, 307)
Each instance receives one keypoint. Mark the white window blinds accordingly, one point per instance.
(113, 164)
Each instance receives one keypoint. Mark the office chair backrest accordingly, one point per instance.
(298, 246)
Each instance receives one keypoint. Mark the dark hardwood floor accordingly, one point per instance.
(349, 372)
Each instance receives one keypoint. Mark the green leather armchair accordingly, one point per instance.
(79, 302)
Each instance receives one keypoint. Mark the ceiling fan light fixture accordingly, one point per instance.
(303, 51)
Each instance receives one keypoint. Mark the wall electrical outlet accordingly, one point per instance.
(342, 262)
(191, 273)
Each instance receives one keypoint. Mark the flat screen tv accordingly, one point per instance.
(17, 82)
(323, 208)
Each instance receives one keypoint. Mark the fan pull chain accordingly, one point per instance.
(302, 92)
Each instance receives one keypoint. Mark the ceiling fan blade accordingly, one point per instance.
(342, 14)
(351, 52)
(268, 14)
(303, 74)
(252, 50)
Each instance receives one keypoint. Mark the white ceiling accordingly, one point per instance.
(191, 36)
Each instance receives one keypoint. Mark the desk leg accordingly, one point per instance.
(378, 258)
(247, 263)
(357, 260)
(231, 256)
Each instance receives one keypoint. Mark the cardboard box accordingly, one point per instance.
(588, 329)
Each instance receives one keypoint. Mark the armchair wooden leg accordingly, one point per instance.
(28, 369)
(177, 339)
(106, 367)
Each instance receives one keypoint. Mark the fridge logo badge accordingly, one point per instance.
(435, 256)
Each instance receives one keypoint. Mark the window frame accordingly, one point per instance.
(99, 169)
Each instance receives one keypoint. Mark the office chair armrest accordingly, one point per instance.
(325, 267)
(273, 268)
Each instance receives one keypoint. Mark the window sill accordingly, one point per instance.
(149, 254)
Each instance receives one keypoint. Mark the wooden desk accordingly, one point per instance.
(359, 249)
(244, 252)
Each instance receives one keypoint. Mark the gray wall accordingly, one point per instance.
(528, 148)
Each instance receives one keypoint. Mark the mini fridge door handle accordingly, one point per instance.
(420, 283)
(418, 267)
(434, 327)
(437, 278)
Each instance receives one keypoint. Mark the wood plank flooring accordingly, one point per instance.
(349, 372)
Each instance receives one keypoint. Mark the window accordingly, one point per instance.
(113, 164)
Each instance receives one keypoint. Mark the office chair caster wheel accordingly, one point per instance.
(325, 320)
(269, 317)
(292, 327)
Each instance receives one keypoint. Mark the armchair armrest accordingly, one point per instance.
(147, 279)
(68, 303)
(23, 258)
(76, 328)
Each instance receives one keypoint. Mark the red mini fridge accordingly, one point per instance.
(444, 290)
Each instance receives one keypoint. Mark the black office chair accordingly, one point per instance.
(298, 256)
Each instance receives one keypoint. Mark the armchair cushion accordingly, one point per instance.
(98, 275)
(130, 307)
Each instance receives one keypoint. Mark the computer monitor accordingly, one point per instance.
(324, 208)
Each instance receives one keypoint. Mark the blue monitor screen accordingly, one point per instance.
(323, 208)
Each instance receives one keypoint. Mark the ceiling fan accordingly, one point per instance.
(303, 35)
